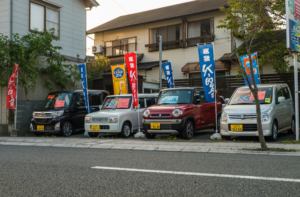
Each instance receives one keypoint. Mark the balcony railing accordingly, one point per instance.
(165, 45)
(202, 39)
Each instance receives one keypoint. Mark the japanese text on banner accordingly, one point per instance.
(169, 74)
(11, 90)
(130, 59)
(82, 72)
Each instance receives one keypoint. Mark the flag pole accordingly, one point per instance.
(16, 99)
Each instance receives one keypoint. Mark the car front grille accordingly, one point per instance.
(160, 115)
(46, 128)
(43, 120)
(99, 119)
(246, 127)
(243, 117)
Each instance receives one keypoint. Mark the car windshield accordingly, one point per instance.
(117, 103)
(243, 96)
(57, 100)
(175, 97)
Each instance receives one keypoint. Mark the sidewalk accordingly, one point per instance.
(149, 145)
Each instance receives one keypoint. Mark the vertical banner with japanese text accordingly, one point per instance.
(82, 71)
(11, 89)
(131, 64)
(169, 74)
(246, 65)
(207, 67)
(292, 9)
(119, 79)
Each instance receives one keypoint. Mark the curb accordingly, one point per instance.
(158, 149)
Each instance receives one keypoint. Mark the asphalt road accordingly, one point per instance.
(44, 171)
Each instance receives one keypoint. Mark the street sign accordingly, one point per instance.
(292, 8)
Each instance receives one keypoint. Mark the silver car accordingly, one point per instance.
(277, 112)
(117, 115)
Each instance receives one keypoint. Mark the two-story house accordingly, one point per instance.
(68, 17)
(181, 26)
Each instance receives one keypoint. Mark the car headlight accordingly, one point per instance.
(113, 119)
(146, 113)
(57, 113)
(177, 112)
(87, 119)
(224, 117)
(266, 115)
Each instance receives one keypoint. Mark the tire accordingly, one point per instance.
(188, 130)
(292, 130)
(225, 137)
(274, 135)
(149, 135)
(67, 129)
(126, 130)
(93, 134)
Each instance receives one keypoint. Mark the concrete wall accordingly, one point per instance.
(25, 109)
(178, 57)
(4, 130)
(4, 17)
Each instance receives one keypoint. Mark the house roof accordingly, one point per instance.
(120, 59)
(280, 35)
(174, 11)
(149, 65)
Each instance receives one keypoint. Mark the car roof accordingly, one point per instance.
(268, 85)
(69, 91)
(181, 88)
(139, 95)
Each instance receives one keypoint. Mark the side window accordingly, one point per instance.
(202, 97)
(278, 93)
(222, 100)
(81, 100)
(196, 96)
(94, 99)
(150, 101)
(286, 93)
(142, 103)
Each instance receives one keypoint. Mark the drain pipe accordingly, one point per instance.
(11, 19)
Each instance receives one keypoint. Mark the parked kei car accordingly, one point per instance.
(277, 112)
(63, 112)
(118, 115)
(180, 110)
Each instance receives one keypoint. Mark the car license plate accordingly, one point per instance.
(40, 127)
(236, 127)
(95, 127)
(155, 125)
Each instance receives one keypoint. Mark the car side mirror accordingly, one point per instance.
(198, 101)
(226, 101)
(281, 99)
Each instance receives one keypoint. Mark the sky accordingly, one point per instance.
(110, 9)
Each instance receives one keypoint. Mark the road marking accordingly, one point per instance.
(198, 174)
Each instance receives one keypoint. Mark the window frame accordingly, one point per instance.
(164, 47)
(45, 5)
(105, 51)
(201, 37)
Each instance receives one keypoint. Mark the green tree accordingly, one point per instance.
(36, 56)
(248, 19)
(96, 68)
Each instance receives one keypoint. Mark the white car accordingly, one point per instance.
(117, 115)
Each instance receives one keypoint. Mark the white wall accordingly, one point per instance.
(4, 17)
(178, 57)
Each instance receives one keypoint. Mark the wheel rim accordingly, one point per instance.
(190, 130)
(67, 129)
(293, 126)
(274, 131)
(126, 130)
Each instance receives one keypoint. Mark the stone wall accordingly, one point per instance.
(25, 109)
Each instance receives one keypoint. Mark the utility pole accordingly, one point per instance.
(160, 62)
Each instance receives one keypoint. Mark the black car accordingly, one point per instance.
(64, 111)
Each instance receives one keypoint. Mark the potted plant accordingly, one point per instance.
(11, 121)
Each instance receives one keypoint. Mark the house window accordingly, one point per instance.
(120, 47)
(171, 37)
(200, 32)
(43, 18)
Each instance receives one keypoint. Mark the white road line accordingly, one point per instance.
(199, 174)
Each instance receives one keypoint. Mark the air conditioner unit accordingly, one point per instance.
(97, 49)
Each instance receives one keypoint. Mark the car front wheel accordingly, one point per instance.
(292, 130)
(188, 130)
(274, 135)
(67, 129)
(126, 130)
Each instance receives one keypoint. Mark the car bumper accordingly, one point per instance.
(249, 129)
(49, 125)
(167, 126)
(104, 127)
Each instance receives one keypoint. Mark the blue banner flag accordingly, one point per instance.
(82, 70)
(246, 65)
(207, 66)
(169, 74)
